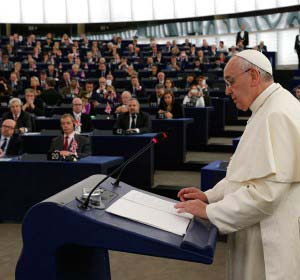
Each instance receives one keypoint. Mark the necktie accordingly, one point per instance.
(133, 124)
(66, 143)
(15, 117)
(3, 144)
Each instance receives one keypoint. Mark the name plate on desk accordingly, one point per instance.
(152, 211)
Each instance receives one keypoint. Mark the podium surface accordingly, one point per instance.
(61, 241)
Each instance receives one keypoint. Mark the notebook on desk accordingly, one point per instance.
(152, 211)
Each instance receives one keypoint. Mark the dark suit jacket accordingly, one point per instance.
(177, 109)
(86, 123)
(143, 122)
(51, 97)
(14, 147)
(83, 149)
(24, 120)
(246, 38)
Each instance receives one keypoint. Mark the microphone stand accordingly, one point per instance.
(85, 204)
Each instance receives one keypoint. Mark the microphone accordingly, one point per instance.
(160, 136)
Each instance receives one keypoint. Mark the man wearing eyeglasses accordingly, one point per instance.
(258, 202)
(10, 144)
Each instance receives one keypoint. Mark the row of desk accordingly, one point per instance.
(31, 179)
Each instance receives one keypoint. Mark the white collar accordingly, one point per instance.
(262, 97)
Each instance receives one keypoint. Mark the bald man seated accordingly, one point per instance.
(83, 122)
(10, 144)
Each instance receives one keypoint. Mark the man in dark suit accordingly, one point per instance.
(156, 97)
(50, 96)
(23, 119)
(10, 144)
(70, 144)
(133, 121)
(243, 36)
(83, 122)
(135, 88)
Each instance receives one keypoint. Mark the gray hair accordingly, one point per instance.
(14, 100)
(244, 65)
(134, 99)
(125, 92)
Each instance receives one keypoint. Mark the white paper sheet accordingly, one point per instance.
(151, 211)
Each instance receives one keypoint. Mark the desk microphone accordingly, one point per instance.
(160, 136)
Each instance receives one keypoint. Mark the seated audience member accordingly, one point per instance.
(201, 56)
(98, 95)
(65, 81)
(161, 78)
(110, 96)
(70, 144)
(133, 121)
(154, 72)
(87, 105)
(22, 119)
(5, 89)
(15, 84)
(83, 122)
(169, 108)
(35, 85)
(43, 79)
(102, 70)
(89, 89)
(194, 98)
(73, 90)
(169, 85)
(190, 80)
(50, 96)
(6, 64)
(33, 104)
(203, 87)
(222, 47)
(156, 97)
(135, 88)
(123, 65)
(262, 47)
(76, 73)
(198, 65)
(10, 144)
(123, 108)
(173, 65)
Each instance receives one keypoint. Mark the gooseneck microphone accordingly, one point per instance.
(160, 136)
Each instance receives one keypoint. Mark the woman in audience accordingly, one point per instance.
(35, 85)
(169, 85)
(169, 108)
(194, 98)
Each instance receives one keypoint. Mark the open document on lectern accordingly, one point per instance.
(152, 211)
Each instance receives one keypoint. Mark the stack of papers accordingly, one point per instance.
(152, 211)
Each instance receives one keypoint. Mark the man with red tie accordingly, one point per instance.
(70, 143)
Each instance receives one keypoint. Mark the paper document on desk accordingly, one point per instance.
(152, 211)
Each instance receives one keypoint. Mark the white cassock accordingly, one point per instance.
(258, 203)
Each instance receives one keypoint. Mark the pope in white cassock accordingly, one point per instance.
(258, 202)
